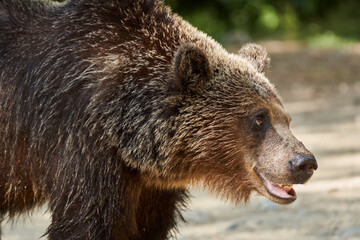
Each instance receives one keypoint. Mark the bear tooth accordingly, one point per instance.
(285, 187)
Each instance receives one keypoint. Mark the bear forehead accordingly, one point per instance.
(235, 74)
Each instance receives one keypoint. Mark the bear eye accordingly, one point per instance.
(259, 121)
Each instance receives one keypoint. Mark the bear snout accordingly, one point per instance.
(302, 167)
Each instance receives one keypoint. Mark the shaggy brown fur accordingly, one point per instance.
(110, 109)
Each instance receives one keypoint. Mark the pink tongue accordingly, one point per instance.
(278, 191)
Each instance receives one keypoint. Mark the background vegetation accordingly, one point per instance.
(322, 22)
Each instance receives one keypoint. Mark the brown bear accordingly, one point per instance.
(111, 109)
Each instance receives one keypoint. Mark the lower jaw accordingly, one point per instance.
(282, 201)
(286, 198)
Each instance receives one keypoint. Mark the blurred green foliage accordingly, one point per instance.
(321, 22)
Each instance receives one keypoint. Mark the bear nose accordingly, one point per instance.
(303, 162)
(303, 166)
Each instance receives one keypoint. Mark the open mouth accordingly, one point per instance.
(284, 192)
(280, 190)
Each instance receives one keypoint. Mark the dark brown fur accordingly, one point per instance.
(109, 110)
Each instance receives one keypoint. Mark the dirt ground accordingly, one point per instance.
(321, 91)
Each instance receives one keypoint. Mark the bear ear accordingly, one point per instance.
(192, 68)
(256, 55)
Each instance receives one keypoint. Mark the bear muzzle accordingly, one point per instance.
(300, 170)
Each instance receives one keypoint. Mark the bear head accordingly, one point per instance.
(234, 135)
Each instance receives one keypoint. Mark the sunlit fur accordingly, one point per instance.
(100, 116)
